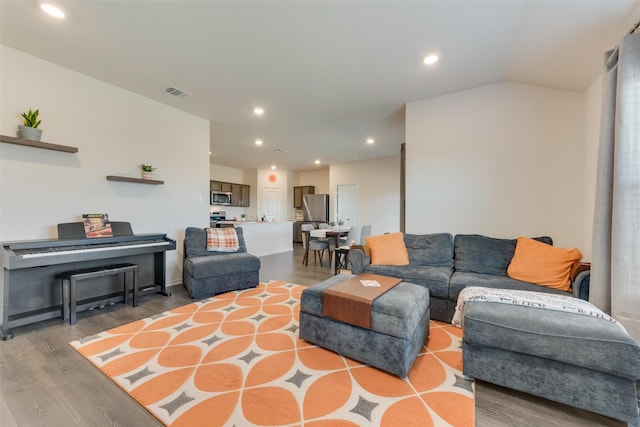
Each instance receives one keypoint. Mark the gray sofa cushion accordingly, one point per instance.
(460, 280)
(232, 263)
(436, 279)
(195, 243)
(480, 254)
(576, 339)
(435, 250)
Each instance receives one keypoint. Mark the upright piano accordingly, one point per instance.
(31, 293)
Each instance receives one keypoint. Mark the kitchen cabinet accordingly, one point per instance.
(220, 186)
(246, 196)
(240, 193)
(299, 192)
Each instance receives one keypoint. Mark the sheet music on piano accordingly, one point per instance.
(30, 290)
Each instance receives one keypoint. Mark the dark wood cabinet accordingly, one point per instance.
(245, 200)
(240, 193)
(299, 192)
(236, 195)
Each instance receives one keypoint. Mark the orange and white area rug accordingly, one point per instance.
(236, 360)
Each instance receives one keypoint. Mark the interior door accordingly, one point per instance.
(272, 198)
(347, 204)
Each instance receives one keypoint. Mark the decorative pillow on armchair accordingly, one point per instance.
(542, 264)
(388, 249)
(222, 239)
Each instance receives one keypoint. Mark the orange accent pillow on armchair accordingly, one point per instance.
(542, 264)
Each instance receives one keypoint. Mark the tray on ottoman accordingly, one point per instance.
(399, 326)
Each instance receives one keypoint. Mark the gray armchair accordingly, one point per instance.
(206, 273)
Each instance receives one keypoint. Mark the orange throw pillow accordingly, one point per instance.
(388, 249)
(542, 264)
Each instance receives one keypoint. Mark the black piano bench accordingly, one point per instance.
(71, 278)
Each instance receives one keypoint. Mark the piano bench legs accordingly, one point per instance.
(70, 281)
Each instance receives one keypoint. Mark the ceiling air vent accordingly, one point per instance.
(177, 92)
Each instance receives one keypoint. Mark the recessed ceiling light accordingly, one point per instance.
(52, 10)
(370, 141)
(258, 142)
(258, 111)
(273, 166)
(317, 162)
(430, 59)
(209, 152)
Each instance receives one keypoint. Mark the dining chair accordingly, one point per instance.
(364, 233)
(353, 236)
(341, 253)
(316, 245)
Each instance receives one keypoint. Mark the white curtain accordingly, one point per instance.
(615, 270)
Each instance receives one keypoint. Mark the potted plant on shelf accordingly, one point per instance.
(29, 128)
(147, 171)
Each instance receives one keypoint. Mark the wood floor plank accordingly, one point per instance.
(44, 382)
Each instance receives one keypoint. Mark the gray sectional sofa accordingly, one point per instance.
(446, 264)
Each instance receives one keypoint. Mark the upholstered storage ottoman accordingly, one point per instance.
(580, 360)
(399, 326)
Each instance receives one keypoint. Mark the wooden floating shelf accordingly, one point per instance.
(136, 180)
(38, 144)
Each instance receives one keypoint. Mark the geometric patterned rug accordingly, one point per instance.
(236, 360)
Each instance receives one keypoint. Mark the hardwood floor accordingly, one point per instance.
(44, 382)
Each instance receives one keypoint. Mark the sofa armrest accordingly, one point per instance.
(580, 280)
(359, 259)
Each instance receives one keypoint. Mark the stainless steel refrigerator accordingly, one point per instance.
(316, 207)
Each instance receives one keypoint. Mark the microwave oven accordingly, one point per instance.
(220, 198)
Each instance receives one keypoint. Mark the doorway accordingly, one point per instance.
(272, 200)
(347, 204)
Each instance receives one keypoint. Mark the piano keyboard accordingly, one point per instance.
(86, 249)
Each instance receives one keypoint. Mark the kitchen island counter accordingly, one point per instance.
(266, 238)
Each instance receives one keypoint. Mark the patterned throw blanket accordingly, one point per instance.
(530, 299)
(222, 239)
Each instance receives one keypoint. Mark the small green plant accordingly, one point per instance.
(340, 223)
(31, 118)
(332, 224)
(147, 168)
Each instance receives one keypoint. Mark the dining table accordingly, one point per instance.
(325, 233)
(335, 233)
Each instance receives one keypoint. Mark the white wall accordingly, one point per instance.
(264, 183)
(593, 104)
(235, 176)
(319, 179)
(227, 174)
(115, 132)
(378, 191)
(501, 160)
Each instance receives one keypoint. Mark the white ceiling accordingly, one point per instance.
(330, 74)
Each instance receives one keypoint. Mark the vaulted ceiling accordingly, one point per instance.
(329, 74)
